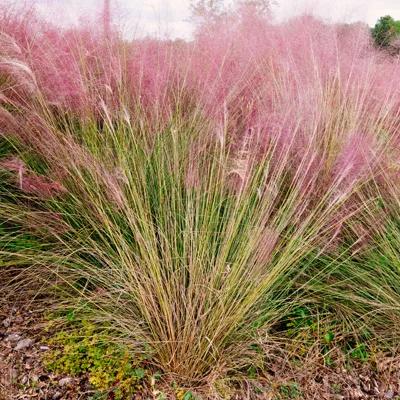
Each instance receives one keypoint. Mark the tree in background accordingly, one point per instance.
(206, 9)
(386, 31)
(212, 9)
(261, 7)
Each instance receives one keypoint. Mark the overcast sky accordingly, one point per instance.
(173, 16)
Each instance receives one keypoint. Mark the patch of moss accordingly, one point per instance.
(110, 366)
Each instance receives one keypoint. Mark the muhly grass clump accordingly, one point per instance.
(186, 197)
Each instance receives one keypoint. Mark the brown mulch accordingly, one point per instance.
(379, 378)
(22, 375)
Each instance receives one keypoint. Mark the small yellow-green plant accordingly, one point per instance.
(109, 366)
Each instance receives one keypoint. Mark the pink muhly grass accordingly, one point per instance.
(41, 186)
(13, 164)
(31, 183)
(279, 88)
(356, 158)
(202, 173)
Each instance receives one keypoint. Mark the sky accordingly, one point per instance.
(172, 17)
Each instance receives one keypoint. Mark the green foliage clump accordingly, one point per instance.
(109, 366)
(385, 31)
(289, 391)
(306, 327)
